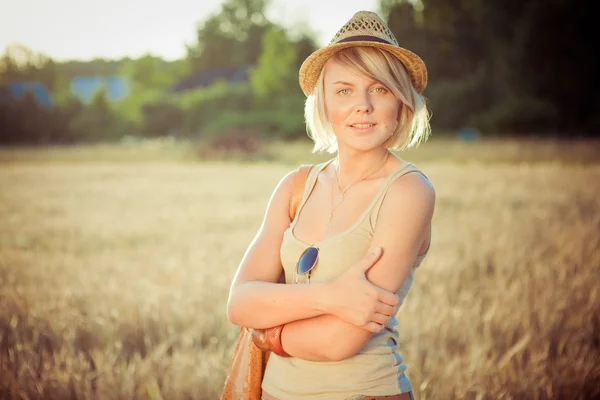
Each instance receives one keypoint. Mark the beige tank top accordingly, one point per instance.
(378, 368)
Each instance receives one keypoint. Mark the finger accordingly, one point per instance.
(381, 319)
(373, 327)
(389, 298)
(386, 309)
(370, 259)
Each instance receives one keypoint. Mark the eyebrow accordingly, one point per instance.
(375, 82)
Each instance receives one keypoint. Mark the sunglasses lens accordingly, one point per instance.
(307, 261)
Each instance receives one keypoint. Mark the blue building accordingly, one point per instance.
(18, 90)
(85, 87)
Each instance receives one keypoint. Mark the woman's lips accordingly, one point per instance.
(362, 127)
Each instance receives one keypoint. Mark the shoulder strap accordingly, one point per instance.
(406, 169)
(298, 188)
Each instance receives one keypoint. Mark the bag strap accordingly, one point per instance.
(298, 188)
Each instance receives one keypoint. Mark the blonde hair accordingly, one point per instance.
(413, 127)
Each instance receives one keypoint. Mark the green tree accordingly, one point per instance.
(96, 122)
(276, 70)
(21, 64)
(98, 66)
(214, 48)
(232, 37)
(153, 72)
(510, 63)
(161, 119)
(305, 45)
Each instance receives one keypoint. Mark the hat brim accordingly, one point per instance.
(312, 66)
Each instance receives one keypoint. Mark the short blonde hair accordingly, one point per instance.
(413, 127)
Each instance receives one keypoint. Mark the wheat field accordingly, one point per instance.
(114, 277)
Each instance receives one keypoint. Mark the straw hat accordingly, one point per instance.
(365, 28)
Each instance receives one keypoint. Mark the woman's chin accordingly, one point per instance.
(364, 144)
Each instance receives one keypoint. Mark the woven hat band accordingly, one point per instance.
(364, 38)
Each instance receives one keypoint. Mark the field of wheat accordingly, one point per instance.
(114, 275)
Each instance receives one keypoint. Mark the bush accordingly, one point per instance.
(222, 108)
(238, 144)
(454, 102)
(281, 124)
(99, 122)
(24, 121)
(161, 119)
(202, 106)
(130, 107)
(519, 115)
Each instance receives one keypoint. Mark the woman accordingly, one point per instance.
(362, 228)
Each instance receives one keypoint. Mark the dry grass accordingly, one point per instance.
(114, 277)
(437, 149)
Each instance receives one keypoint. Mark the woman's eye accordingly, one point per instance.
(344, 91)
(380, 90)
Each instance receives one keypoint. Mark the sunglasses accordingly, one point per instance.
(307, 261)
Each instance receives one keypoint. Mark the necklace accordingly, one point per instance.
(344, 191)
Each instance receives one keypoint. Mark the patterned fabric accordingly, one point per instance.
(246, 370)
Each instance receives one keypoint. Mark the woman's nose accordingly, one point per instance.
(363, 103)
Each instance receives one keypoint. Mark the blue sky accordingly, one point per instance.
(85, 29)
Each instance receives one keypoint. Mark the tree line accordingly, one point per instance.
(505, 67)
(516, 66)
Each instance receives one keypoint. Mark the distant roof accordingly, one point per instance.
(17, 90)
(209, 76)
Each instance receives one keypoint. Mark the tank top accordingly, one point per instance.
(378, 368)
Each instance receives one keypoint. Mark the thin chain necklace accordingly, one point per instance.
(344, 191)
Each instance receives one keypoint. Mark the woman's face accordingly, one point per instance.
(363, 112)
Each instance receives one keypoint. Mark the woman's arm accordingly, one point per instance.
(403, 226)
(257, 301)
(255, 298)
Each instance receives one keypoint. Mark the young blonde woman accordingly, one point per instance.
(362, 228)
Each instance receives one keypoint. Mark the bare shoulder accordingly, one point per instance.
(412, 190)
(283, 190)
(279, 203)
(287, 181)
(291, 176)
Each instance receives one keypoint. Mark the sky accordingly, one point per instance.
(87, 29)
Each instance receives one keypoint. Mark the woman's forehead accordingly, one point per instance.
(335, 72)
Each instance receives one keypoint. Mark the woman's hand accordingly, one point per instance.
(354, 299)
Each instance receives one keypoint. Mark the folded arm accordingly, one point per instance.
(403, 230)
(256, 300)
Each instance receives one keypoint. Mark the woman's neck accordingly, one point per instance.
(353, 166)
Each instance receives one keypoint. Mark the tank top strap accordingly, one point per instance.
(374, 212)
(311, 181)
